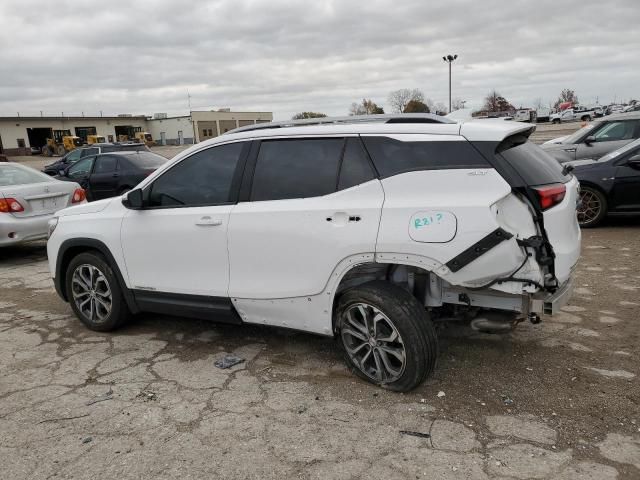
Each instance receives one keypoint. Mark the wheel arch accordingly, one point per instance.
(75, 246)
(396, 273)
(594, 186)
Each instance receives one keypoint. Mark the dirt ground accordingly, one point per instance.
(559, 400)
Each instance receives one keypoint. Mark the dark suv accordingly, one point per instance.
(73, 156)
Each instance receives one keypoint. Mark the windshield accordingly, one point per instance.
(576, 136)
(621, 151)
(20, 175)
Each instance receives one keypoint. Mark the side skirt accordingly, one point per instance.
(216, 309)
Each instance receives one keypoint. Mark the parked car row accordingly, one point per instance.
(73, 156)
(28, 198)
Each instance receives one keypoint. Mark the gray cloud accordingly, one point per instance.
(288, 56)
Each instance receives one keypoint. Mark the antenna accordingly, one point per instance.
(189, 101)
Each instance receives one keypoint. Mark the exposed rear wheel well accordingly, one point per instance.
(413, 279)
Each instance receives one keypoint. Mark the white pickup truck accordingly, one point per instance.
(571, 115)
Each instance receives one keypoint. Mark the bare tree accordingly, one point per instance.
(367, 107)
(456, 104)
(538, 103)
(440, 108)
(399, 99)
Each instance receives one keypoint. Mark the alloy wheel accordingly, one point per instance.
(589, 208)
(373, 343)
(91, 293)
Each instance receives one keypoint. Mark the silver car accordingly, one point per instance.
(28, 200)
(600, 137)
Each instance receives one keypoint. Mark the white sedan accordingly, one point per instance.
(28, 200)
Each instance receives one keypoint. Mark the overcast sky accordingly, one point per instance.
(289, 56)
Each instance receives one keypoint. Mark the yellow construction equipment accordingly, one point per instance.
(145, 137)
(61, 143)
(91, 139)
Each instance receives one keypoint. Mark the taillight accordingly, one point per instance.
(10, 205)
(78, 196)
(550, 195)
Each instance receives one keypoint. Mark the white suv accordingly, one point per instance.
(367, 229)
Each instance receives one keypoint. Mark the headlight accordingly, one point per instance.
(52, 224)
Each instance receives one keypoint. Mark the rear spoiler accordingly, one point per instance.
(494, 130)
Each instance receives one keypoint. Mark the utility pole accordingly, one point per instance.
(450, 59)
(193, 123)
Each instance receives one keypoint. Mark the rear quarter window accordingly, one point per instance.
(392, 156)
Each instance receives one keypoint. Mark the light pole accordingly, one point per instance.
(449, 59)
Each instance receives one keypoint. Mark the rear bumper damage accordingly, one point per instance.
(551, 304)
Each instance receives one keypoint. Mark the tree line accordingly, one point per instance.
(406, 100)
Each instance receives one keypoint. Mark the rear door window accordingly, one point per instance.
(106, 164)
(392, 156)
(296, 168)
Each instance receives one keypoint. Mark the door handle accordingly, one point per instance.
(570, 150)
(208, 222)
(341, 218)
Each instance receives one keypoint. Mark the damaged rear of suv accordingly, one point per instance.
(367, 229)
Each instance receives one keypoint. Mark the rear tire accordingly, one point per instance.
(47, 151)
(593, 207)
(60, 150)
(387, 337)
(586, 118)
(555, 121)
(94, 293)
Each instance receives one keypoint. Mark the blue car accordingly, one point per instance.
(609, 185)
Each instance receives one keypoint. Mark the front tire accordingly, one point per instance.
(94, 293)
(593, 207)
(586, 118)
(555, 121)
(387, 337)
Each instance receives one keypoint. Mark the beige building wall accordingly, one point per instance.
(175, 130)
(14, 128)
(170, 128)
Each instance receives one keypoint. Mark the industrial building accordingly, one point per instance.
(18, 134)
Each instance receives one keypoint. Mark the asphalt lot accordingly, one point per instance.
(559, 400)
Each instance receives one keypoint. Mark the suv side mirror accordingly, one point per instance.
(590, 139)
(634, 161)
(133, 200)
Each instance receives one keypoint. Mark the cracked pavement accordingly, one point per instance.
(559, 400)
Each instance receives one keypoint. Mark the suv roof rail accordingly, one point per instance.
(381, 118)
